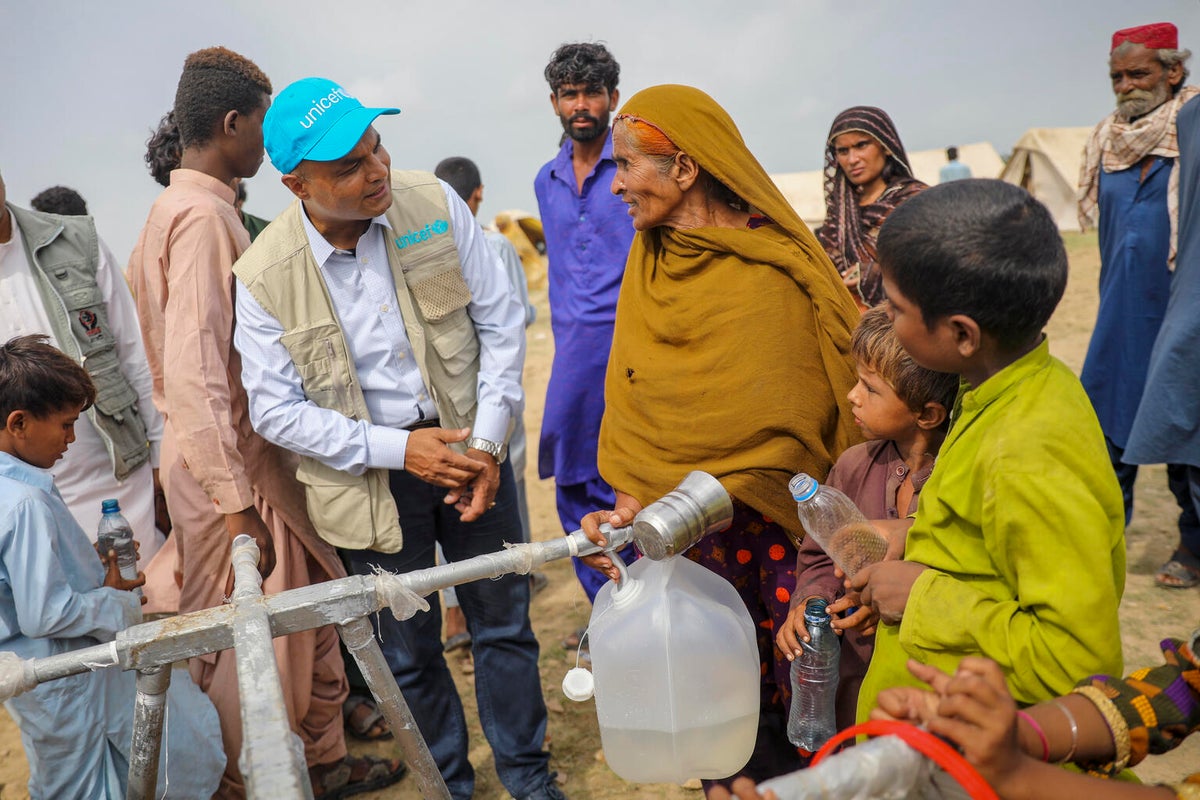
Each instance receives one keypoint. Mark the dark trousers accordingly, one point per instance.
(1184, 482)
(507, 684)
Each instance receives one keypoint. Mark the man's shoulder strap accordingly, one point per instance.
(419, 214)
(39, 229)
(279, 241)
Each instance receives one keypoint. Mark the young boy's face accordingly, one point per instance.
(932, 349)
(878, 410)
(41, 441)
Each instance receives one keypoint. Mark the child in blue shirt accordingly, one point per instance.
(56, 596)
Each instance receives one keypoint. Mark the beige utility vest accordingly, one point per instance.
(357, 511)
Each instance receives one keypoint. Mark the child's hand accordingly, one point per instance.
(793, 632)
(907, 703)
(112, 576)
(977, 713)
(885, 586)
(864, 618)
(104, 557)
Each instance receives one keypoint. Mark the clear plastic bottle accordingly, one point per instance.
(814, 681)
(114, 533)
(836, 524)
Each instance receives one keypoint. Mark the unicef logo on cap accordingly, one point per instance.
(438, 227)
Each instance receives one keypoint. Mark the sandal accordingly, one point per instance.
(354, 775)
(457, 642)
(1177, 575)
(363, 719)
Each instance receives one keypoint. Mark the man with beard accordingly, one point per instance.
(1130, 178)
(588, 232)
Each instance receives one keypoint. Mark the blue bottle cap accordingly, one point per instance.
(803, 486)
(107, 506)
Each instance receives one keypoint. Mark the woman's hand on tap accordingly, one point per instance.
(626, 508)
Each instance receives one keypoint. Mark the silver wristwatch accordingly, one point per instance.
(496, 450)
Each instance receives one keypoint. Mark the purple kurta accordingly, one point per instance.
(588, 234)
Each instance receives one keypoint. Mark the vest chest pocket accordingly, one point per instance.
(319, 355)
(86, 310)
(434, 276)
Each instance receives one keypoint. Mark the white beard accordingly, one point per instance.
(1140, 102)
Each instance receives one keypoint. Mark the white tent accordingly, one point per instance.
(981, 157)
(805, 190)
(1045, 162)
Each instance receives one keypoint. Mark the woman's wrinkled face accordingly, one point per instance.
(651, 194)
(860, 156)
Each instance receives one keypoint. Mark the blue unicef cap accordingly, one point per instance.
(314, 119)
(109, 505)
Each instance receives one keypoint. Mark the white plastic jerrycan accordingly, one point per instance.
(676, 671)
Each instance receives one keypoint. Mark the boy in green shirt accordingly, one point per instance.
(1018, 548)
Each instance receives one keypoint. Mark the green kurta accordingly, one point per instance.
(1022, 526)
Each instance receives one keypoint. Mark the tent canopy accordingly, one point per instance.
(1045, 162)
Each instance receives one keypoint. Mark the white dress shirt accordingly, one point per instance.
(363, 291)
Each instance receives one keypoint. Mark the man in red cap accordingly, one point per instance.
(1130, 182)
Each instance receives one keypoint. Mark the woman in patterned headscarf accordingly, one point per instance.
(866, 176)
(730, 354)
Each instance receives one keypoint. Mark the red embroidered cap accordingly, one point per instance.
(1156, 36)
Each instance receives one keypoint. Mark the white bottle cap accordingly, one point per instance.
(578, 684)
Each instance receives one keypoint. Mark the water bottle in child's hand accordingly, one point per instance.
(836, 524)
(812, 719)
(114, 534)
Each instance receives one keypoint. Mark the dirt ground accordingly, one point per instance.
(1148, 613)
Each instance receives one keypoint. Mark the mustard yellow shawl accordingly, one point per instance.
(731, 351)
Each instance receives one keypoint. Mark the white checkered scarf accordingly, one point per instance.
(1118, 145)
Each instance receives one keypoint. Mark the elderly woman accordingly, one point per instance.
(866, 176)
(730, 355)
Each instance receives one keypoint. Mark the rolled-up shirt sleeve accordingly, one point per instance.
(196, 351)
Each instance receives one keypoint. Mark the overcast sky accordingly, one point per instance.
(86, 81)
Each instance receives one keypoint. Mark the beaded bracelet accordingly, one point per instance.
(1041, 734)
(1117, 725)
(1074, 730)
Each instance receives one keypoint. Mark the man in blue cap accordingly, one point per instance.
(220, 478)
(378, 337)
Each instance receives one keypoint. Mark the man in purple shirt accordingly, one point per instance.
(588, 233)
